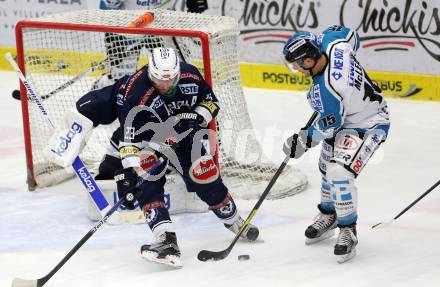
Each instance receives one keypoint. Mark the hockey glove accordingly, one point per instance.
(296, 145)
(190, 120)
(126, 180)
(196, 6)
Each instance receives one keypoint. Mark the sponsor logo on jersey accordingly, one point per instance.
(348, 142)
(204, 170)
(147, 159)
(342, 157)
(190, 76)
(337, 75)
(65, 140)
(146, 96)
(355, 75)
(315, 99)
(177, 105)
(120, 99)
(210, 106)
(189, 89)
(338, 59)
(131, 82)
(370, 144)
(157, 103)
(129, 151)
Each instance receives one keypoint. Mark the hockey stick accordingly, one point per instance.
(385, 224)
(205, 255)
(142, 21)
(19, 282)
(98, 66)
(81, 171)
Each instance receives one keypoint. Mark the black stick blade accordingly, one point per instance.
(376, 225)
(206, 255)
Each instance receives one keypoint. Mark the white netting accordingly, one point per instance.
(54, 57)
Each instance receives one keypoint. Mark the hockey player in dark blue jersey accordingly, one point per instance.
(353, 121)
(163, 102)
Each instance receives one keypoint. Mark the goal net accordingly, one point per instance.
(64, 55)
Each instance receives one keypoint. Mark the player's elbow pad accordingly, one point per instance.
(208, 110)
(68, 140)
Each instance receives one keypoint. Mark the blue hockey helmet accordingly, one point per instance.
(300, 46)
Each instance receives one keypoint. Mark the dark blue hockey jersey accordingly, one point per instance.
(143, 112)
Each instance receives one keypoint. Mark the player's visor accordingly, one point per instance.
(295, 65)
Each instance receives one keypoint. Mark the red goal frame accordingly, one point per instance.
(24, 24)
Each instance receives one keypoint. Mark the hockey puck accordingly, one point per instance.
(16, 94)
(243, 257)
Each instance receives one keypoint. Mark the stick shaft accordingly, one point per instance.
(417, 200)
(264, 194)
(83, 174)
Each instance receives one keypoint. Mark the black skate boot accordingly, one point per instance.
(165, 251)
(345, 247)
(250, 233)
(323, 227)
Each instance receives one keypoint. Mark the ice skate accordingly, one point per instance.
(165, 251)
(251, 232)
(323, 227)
(345, 247)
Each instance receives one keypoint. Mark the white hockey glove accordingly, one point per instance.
(296, 145)
(68, 140)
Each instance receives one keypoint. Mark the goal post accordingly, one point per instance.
(63, 55)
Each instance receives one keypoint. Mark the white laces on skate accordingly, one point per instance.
(345, 237)
(323, 221)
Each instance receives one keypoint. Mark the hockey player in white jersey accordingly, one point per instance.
(353, 121)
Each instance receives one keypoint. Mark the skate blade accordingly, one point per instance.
(324, 236)
(344, 258)
(170, 260)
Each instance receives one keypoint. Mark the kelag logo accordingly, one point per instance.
(63, 145)
(273, 21)
(410, 23)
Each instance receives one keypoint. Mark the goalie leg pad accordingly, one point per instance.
(68, 140)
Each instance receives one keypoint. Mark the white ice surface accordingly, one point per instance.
(37, 229)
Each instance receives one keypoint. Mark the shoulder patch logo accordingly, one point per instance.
(315, 99)
(337, 75)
